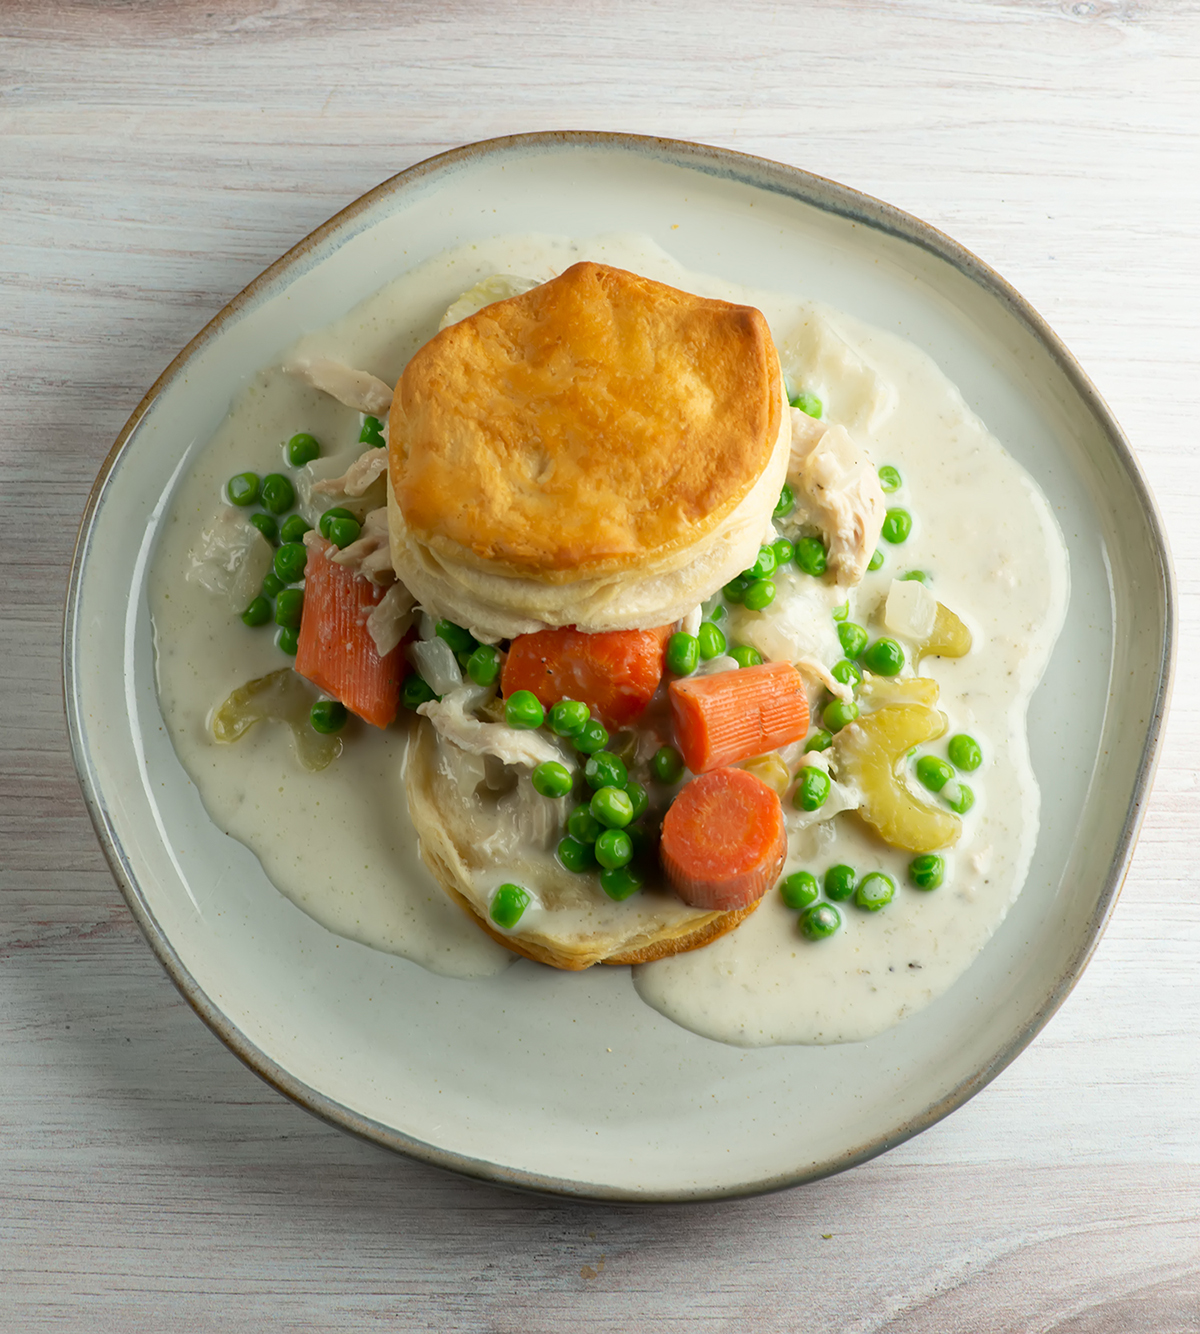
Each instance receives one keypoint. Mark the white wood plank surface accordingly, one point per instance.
(153, 159)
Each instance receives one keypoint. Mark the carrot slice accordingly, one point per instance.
(723, 841)
(729, 716)
(336, 651)
(615, 672)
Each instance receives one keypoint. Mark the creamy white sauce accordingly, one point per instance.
(339, 842)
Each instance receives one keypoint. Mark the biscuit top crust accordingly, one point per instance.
(594, 422)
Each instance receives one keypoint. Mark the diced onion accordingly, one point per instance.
(435, 660)
(911, 609)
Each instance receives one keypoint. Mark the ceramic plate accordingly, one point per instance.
(568, 1083)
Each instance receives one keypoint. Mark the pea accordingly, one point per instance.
(271, 585)
(897, 524)
(853, 639)
(916, 576)
(290, 560)
(289, 607)
(735, 589)
(890, 479)
(523, 709)
(711, 639)
(243, 489)
(460, 640)
(838, 714)
(717, 614)
(604, 769)
(551, 779)
(811, 790)
(799, 889)
(759, 595)
(613, 807)
(591, 737)
(784, 552)
(683, 653)
(583, 826)
(933, 773)
(568, 717)
(745, 656)
(344, 531)
(811, 556)
(416, 691)
(302, 448)
(328, 517)
(640, 798)
(266, 525)
(508, 903)
(927, 872)
(839, 882)
(786, 502)
(576, 856)
(840, 613)
(960, 801)
(619, 882)
(820, 921)
(847, 672)
(293, 528)
(483, 665)
(964, 753)
(876, 561)
(763, 565)
(372, 432)
(614, 848)
(258, 612)
(667, 765)
(289, 640)
(808, 403)
(327, 716)
(874, 891)
(277, 495)
(885, 657)
(820, 740)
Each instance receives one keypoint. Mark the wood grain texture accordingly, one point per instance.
(153, 159)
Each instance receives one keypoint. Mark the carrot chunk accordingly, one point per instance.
(336, 651)
(615, 672)
(729, 716)
(723, 841)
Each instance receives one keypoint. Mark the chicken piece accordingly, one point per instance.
(816, 670)
(390, 621)
(356, 389)
(365, 470)
(510, 745)
(370, 555)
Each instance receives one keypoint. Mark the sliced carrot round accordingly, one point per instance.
(723, 840)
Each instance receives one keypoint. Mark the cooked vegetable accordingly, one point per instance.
(619, 882)
(284, 696)
(876, 561)
(640, 798)
(723, 840)
(950, 638)
(933, 773)
(811, 556)
(289, 608)
(614, 849)
(258, 612)
(821, 920)
(799, 889)
(853, 639)
(759, 595)
(915, 577)
(327, 716)
(735, 589)
(964, 752)
(683, 653)
(271, 585)
(416, 691)
(290, 561)
(784, 552)
(890, 479)
(266, 525)
(746, 656)
(840, 882)
(583, 825)
(667, 765)
(576, 856)
(820, 740)
(613, 807)
(371, 433)
(885, 657)
(293, 528)
(729, 716)
(811, 790)
(277, 493)
(847, 672)
(551, 779)
(568, 717)
(763, 566)
(289, 640)
(302, 448)
(508, 904)
(808, 403)
(711, 638)
(460, 640)
(839, 713)
(483, 666)
(874, 891)
(523, 709)
(786, 502)
(591, 737)
(244, 489)
(344, 531)
(604, 769)
(959, 798)
(897, 524)
(329, 516)
(771, 769)
(927, 871)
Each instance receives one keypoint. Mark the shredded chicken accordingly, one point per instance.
(508, 744)
(842, 488)
(389, 622)
(365, 469)
(356, 389)
(369, 556)
(817, 670)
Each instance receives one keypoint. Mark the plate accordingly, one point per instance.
(568, 1083)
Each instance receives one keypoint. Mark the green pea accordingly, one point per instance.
(876, 561)
(759, 595)
(916, 576)
(847, 672)
(604, 769)
(820, 921)
(568, 717)
(933, 773)
(576, 856)
(885, 657)
(808, 403)
(278, 495)
(735, 589)
(964, 752)
(799, 889)
(763, 565)
(266, 525)
(683, 653)
(613, 848)
(508, 903)
(302, 448)
(839, 713)
(784, 552)
(839, 882)
(786, 502)
(874, 891)
(372, 432)
(717, 614)
(927, 872)
(460, 640)
(338, 512)
(416, 691)
(293, 528)
(551, 779)
(523, 709)
(289, 640)
(711, 640)
(619, 882)
(258, 612)
(591, 737)
(853, 639)
(244, 489)
(667, 765)
(290, 561)
(613, 807)
(820, 740)
(327, 716)
(640, 798)
(344, 531)
(583, 826)
(289, 606)
(960, 801)
(811, 790)
(483, 665)
(890, 479)
(811, 555)
(745, 656)
(271, 585)
(897, 524)
(840, 613)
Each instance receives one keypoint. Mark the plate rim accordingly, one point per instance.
(776, 177)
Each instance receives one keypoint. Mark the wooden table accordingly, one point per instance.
(152, 161)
